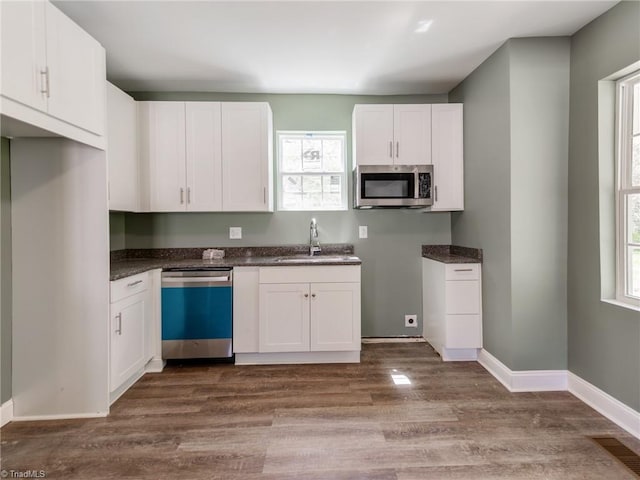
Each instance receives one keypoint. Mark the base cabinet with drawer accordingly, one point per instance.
(129, 328)
(452, 308)
(298, 315)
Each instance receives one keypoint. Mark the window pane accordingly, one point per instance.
(311, 155)
(635, 162)
(633, 218)
(291, 155)
(291, 201)
(634, 272)
(332, 158)
(636, 109)
(312, 184)
(332, 184)
(312, 201)
(292, 183)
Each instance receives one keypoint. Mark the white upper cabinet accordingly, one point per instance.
(204, 156)
(392, 134)
(24, 53)
(53, 73)
(122, 150)
(373, 135)
(207, 156)
(447, 156)
(412, 134)
(76, 73)
(247, 153)
(166, 152)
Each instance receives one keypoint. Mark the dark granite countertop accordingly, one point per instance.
(452, 254)
(125, 263)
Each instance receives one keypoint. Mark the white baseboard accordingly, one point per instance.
(616, 411)
(459, 354)
(297, 357)
(393, 340)
(155, 365)
(523, 381)
(563, 380)
(64, 416)
(6, 412)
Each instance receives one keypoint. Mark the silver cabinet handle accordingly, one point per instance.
(119, 329)
(264, 195)
(435, 192)
(390, 149)
(188, 194)
(181, 196)
(463, 269)
(44, 77)
(133, 284)
(397, 149)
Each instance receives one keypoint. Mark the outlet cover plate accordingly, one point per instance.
(363, 231)
(411, 321)
(235, 232)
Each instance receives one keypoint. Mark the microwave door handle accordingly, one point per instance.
(416, 188)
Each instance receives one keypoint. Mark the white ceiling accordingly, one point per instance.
(357, 47)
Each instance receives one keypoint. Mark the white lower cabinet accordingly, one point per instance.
(452, 308)
(299, 314)
(129, 327)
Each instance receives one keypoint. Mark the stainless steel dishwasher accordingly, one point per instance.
(197, 312)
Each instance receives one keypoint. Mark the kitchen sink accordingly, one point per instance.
(315, 259)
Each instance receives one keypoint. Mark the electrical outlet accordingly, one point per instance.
(235, 232)
(362, 230)
(411, 320)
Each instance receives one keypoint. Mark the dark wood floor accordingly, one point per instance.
(325, 422)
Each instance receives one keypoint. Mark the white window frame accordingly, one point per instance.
(624, 146)
(315, 133)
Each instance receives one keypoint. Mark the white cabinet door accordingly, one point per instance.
(23, 52)
(165, 151)
(122, 150)
(373, 135)
(412, 134)
(76, 65)
(447, 156)
(127, 338)
(204, 157)
(335, 317)
(284, 317)
(246, 156)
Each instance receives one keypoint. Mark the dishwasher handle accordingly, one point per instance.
(217, 281)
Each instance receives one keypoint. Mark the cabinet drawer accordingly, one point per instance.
(462, 271)
(128, 286)
(463, 331)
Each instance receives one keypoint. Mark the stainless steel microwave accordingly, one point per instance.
(379, 186)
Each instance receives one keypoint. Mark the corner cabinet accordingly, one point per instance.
(392, 134)
(452, 308)
(301, 314)
(195, 156)
(53, 74)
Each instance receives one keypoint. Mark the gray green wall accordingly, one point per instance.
(116, 231)
(604, 339)
(391, 271)
(5, 271)
(516, 128)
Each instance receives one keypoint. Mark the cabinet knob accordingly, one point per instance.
(313, 295)
(306, 295)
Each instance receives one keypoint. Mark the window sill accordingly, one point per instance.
(618, 303)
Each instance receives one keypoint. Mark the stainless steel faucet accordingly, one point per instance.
(314, 243)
